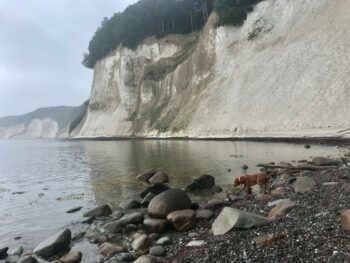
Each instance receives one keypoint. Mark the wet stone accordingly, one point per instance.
(103, 210)
(157, 251)
(130, 204)
(73, 210)
(109, 249)
(127, 257)
(78, 236)
(3, 252)
(98, 238)
(54, 244)
(71, 257)
(28, 259)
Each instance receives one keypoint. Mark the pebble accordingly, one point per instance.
(103, 210)
(345, 219)
(192, 234)
(204, 214)
(28, 259)
(141, 243)
(73, 210)
(89, 220)
(153, 236)
(164, 241)
(71, 257)
(109, 249)
(126, 256)
(144, 259)
(117, 215)
(98, 238)
(157, 251)
(195, 243)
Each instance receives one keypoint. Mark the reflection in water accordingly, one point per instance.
(115, 164)
(83, 173)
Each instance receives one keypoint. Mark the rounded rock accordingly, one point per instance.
(130, 204)
(182, 220)
(155, 225)
(157, 251)
(72, 257)
(28, 259)
(142, 242)
(167, 202)
(159, 177)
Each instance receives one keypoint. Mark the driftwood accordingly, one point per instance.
(297, 168)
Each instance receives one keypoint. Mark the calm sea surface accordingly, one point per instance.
(41, 179)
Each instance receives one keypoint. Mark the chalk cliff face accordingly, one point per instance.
(49, 122)
(285, 72)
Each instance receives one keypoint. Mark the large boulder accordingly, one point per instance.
(303, 184)
(325, 161)
(231, 218)
(103, 210)
(203, 182)
(54, 244)
(154, 189)
(167, 202)
(182, 220)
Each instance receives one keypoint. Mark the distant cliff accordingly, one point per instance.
(285, 72)
(49, 122)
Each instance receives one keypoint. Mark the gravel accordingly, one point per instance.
(310, 232)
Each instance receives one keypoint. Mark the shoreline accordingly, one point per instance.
(307, 230)
(294, 140)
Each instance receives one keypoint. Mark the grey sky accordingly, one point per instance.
(41, 46)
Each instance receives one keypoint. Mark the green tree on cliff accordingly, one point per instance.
(159, 18)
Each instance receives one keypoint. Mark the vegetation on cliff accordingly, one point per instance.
(159, 18)
(233, 12)
(79, 117)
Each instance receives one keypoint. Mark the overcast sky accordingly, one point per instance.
(41, 46)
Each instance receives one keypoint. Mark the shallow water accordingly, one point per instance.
(55, 176)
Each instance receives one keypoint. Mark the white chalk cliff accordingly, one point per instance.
(51, 122)
(285, 72)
